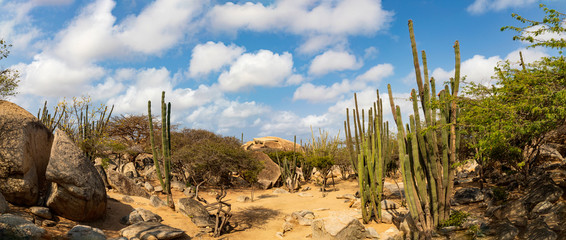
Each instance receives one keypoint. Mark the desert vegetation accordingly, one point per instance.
(513, 131)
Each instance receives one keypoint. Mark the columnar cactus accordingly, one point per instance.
(164, 180)
(368, 155)
(426, 165)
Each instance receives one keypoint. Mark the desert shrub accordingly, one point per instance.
(457, 218)
(211, 158)
(499, 194)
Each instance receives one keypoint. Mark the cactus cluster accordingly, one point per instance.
(369, 155)
(165, 147)
(427, 150)
(289, 173)
(50, 120)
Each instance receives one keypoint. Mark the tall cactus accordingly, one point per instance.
(50, 120)
(164, 180)
(426, 164)
(368, 154)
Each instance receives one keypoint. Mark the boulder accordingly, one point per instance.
(125, 185)
(41, 212)
(270, 172)
(148, 187)
(304, 217)
(77, 190)
(16, 227)
(129, 170)
(502, 230)
(83, 232)
(391, 233)
(196, 211)
(544, 189)
(102, 174)
(140, 215)
(178, 185)
(343, 227)
(280, 191)
(3, 204)
(25, 144)
(151, 230)
(538, 230)
(273, 143)
(467, 195)
(155, 201)
(556, 218)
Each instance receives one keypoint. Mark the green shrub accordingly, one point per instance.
(457, 218)
(499, 193)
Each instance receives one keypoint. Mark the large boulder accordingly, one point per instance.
(25, 144)
(77, 190)
(196, 211)
(125, 185)
(151, 230)
(270, 172)
(16, 227)
(271, 143)
(339, 227)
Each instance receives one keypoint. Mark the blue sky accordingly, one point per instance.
(260, 67)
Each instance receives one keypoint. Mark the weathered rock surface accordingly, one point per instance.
(3, 204)
(83, 232)
(25, 144)
(129, 170)
(343, 227)
(102, 172)
(77, 190)
(41, 212)
(303, 218)
(196, 211)
(16, 227)
(125, 185)
(156, 201)
(151, 230)
(468, 195)
(140, 215)
(270, 172)
(275, 143)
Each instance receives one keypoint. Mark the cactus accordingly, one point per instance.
(368, 156)
(165, 179)
(49, 120)
(427, 169)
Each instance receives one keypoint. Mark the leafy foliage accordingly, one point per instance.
(8, 78)
(553, 23)
(212, 158)
(321, 152)
(457, 218)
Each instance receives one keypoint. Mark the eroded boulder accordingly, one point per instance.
(77, 190)
(339, 227)
(151, 230)
(274, 143)
(125, 185)
(16, 227)
(270, 172)
(196, 211)
(25, 144)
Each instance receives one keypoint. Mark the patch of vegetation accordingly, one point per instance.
(457, 218)
(499, 194)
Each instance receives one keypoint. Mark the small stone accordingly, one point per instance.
(388, 204)
(371, 233)
(156, 201)
(280, 191)
(279, 235)
(127, 199)
(287, 226)
(41, 212)
(148, 187)
(243, 199)
(321, 209)
(48, 223)
(81, 232)
(346, 196)
(304, 194)
(158, 189)
(306, 189)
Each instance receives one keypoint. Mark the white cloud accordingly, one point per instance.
(223, 115)
(51, 2)
(212, 56)
(314, 93)
(264, 68)
(341, 17)
(16, 26)
(370, 53)
(546, 34)
(315, 43)
(333, 61)
(377, 73)
(482, 6)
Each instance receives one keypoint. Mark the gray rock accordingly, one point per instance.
(4, 207)
(178, 185)
(556, 218)
(196, 211)
(343, 227)
(82, 232)
(155, 201)
(146, 230)
(388, 204)
(102, 174)
(304, 217)
(270, 172)
(125, 185)
(371, 233)
(41, 212)
(280, 191)
(140, 215)
(127, 199)
(503, 230)
(158, 188)
(16, 227)
(304, 194)
(386, 216)
(391, 233)
(77, 190)
(346, 196)
(129, 169)
(542, 190)
(243, 199)
(148, 187)
(538, 230)
(25, 144)
(287, 226)
(468, 195)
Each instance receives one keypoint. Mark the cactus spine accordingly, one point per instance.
(164, 180)
(368, 156)
(427, 170)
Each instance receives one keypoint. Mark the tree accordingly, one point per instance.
(8, 78)
(537, 32)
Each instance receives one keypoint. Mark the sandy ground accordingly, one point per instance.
(260, 219)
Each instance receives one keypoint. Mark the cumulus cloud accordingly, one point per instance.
(212, 56)
(16, 26)
(342, 17)
(314, 93)
(223, 115)
(315, 43)
(482, 6)
(263, 68)
(377, 73)
(332, 60)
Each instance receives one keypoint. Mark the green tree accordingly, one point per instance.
(9, 78)
(553, 25)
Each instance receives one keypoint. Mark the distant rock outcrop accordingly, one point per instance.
(77, 190)
(25, 144)
(272, 143)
